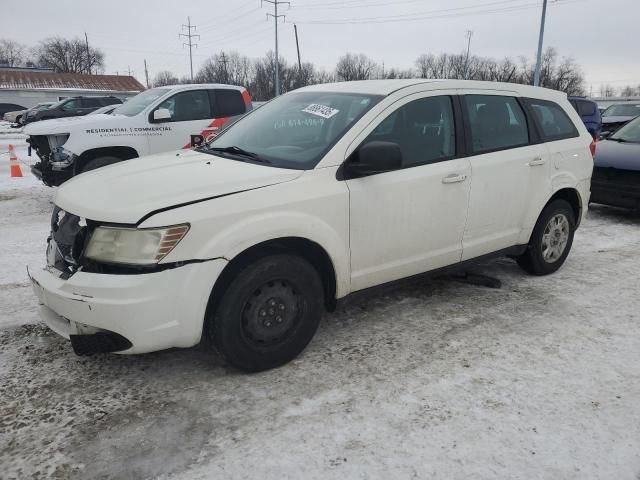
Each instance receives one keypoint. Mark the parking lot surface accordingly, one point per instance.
(437, 379)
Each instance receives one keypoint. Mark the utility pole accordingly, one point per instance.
(468, 34)
(146, 72)
(275, 16)
(86, 39)
(129, 71)
(190, 43)
(223, 60)
(536, 78)
(295, 29)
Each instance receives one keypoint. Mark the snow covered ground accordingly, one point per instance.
(438, 379)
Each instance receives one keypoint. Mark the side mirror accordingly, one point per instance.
(162, 115)
(375, 157)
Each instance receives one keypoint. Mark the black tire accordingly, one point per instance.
(99, 162)
(249, 330)
(533, 260)
(18, 118)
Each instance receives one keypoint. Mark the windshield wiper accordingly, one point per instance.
(234, 150)
(619, 140)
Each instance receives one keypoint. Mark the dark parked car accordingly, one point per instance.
(73, 107)
(32, 111)
(616, 174)
(616, 116)
(589, 113)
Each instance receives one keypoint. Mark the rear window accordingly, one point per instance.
(553, 121)
(228, 103)
(586, 109)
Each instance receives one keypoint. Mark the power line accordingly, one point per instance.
(427, 15)
(275, 16)
(190, 43)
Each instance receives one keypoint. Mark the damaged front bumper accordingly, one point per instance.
(134, 313)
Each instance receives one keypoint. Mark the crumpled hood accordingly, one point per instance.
(127, 191)
(625, 156)
(69, 124)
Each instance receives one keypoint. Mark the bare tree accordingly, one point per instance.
(165, 77)
(12, 54)
(69, 56)
(630, 91)
(607, 90)
(230, 68)
(564, 75)
(355, 67)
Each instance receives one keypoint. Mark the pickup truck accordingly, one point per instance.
(154, 121)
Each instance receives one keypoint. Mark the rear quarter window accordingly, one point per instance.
(552, 120)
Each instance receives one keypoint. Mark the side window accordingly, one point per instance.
(91, 103)
(554, 122)
(185, 106)
(72, 104)
(496, 122)
(424, 129)
(228, 103)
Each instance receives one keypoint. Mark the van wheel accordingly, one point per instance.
(268, 314)
(100, 162)
(551, 239)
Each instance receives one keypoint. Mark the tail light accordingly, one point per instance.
(592, 147)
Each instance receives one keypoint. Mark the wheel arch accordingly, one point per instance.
(573, 198)
(122, 152)
(307, 249)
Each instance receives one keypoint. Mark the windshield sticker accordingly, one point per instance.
(320, 110)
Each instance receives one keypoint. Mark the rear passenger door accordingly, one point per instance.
(191, 112)
(510, 173)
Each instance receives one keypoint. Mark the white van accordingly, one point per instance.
(319, 193)
(156, 120)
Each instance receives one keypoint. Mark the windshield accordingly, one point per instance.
(296, 129)
(57, 104)
(623, 110)
(629, 133)
(141, 101)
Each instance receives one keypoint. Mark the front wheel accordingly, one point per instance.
(268, 314)
(551, 239)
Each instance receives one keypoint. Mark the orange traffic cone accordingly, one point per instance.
(13, 162)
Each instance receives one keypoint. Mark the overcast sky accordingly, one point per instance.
(601, 35)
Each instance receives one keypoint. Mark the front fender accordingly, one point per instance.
(227, 226)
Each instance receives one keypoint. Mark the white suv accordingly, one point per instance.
(322, 192)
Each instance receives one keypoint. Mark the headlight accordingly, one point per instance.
(133, 246)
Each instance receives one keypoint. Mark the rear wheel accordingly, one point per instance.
(268, 314)
(100, 162)
(551, 239)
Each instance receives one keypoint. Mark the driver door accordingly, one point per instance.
(412, 219)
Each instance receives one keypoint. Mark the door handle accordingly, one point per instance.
(537, 161)
(454, 178)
